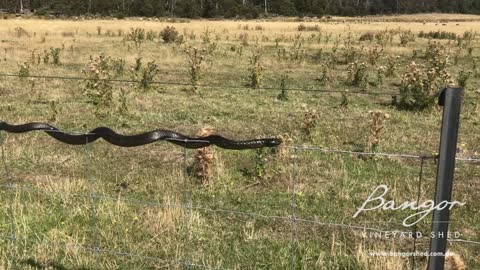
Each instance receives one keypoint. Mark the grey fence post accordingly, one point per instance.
(450, 99)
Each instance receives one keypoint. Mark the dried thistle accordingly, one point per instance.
(453, 261)
(204, 160)
(309, 121)
(376, 129)
(282, 151)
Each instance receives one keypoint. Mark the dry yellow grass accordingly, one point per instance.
(140, 208)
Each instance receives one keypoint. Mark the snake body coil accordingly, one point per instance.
(140, 139)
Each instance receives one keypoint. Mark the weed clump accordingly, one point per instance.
(420, 85)
(357, 75)
(255, 69)
(169, 34)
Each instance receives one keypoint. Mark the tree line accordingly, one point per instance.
(238, 8)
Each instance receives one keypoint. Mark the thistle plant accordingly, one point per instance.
(195, 60)
(420, 85)
(283, 96)
(255, 69)
(381, 72)
(53, 111)
(98, 88)
(377, 129)
(464, 77)
(357, 75)
(55, 54)
(475, 65)
(204, 161)
(137, 35)
(406, 37)
(151, 35)
(123, 101)
(206, 37)
(344, 101)
(138, 64)
(24, 70)
(118, 66)
(147, 75)
(46, 57)
(392, 66)
(309, 122)
(325, 75)
(374, 53)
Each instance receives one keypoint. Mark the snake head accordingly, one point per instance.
(271, 142)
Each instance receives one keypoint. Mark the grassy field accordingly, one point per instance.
(137, 217)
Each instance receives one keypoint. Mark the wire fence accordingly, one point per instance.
(224, 86)
(294, 219)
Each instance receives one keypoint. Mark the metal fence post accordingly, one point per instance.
(450, 99)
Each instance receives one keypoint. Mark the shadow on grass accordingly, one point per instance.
(50, 265)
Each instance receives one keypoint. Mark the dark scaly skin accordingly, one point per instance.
(140, 139)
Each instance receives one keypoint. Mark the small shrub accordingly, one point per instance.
(303, 27)
(243, 39)
(21, 32)
(368, 36)
(406, 37)
(169, 34)
(437, 35)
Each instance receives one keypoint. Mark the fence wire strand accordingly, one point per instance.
(217, 86)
